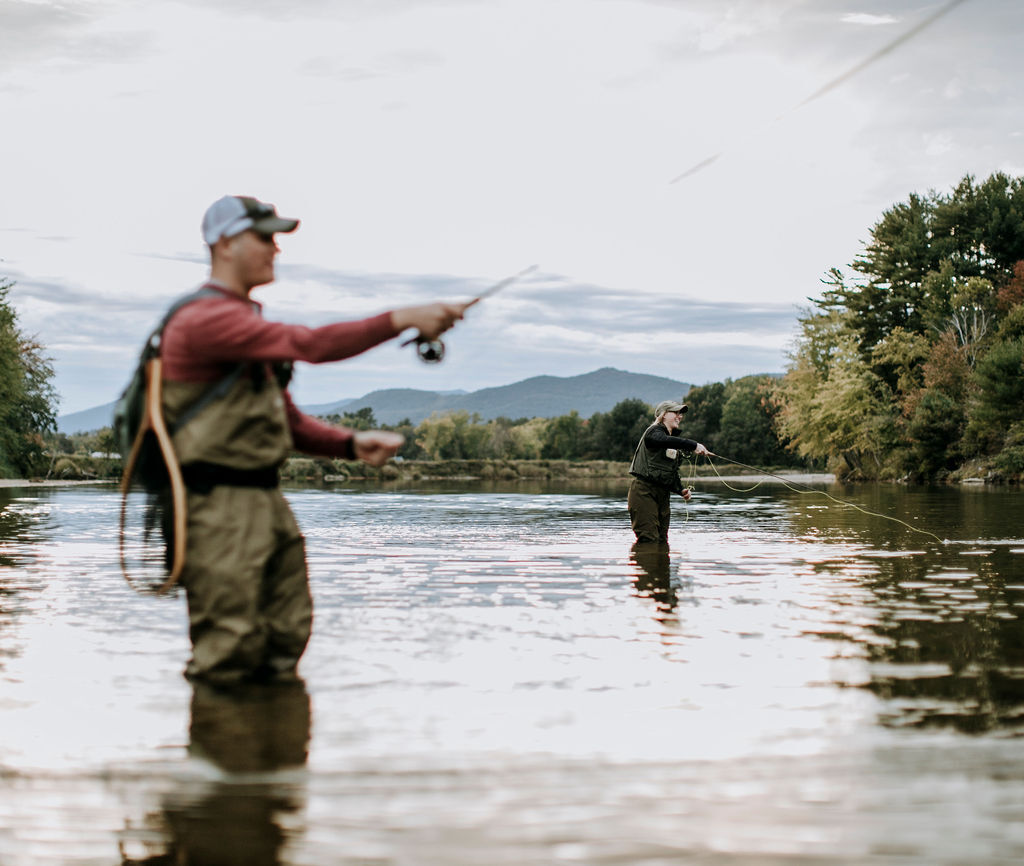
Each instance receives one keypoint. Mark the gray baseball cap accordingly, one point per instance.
(234, 214)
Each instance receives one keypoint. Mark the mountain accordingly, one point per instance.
(87, 420)
(337, 407)
(537, 397)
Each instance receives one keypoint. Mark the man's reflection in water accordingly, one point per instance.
(247, 732)
(653, 578)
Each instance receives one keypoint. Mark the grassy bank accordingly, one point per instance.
(312, 469)
(315, 469)
(339, 471)
(323, 470)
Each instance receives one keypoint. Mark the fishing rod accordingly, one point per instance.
(432, 351)
(835, 82)
(793, 485)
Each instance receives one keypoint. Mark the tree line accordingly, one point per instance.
(912, 365)
(732, 418)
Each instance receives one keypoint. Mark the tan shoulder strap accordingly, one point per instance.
(153, 420)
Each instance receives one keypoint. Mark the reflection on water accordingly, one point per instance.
(946, 644)
(943, 633)
(241, 815)
(499, 675)
(652, 562)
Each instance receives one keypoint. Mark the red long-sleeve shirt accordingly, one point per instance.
(205, 336)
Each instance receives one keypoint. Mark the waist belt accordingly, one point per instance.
(203, 477)
(654, 482)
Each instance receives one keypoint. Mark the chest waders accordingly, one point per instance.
(141, 408)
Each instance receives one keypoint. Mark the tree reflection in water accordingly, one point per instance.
(252, 735)
(949, 643)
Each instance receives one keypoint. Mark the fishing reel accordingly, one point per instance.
(429, 351)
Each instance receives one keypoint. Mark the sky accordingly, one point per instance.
(682, 172)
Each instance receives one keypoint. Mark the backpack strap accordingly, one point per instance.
(219, 388)
(152, 421)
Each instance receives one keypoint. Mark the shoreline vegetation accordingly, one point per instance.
(87, 470)
(77, 470)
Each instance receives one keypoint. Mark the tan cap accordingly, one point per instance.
(669, 406)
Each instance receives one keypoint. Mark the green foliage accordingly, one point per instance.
(999, 397)
(613, 435)
(935, 428)
(1010, 461)
(453, 436)
(736, 419)
(563, 437)
(527, 439)
(703, 418)
(901, 354)
(935, 413)
(410, 449)
(361, 419)
(915, 365)
(27, 397)
(747, 432)
(845, 413)
(98, 441)
(1012, 325)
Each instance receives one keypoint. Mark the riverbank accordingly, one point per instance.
(51, 482)
(306, 470)
(310, 470)
(300, 469)
(82, 469)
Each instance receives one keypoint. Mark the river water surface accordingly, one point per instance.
(497, 676)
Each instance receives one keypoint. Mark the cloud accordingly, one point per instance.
(937, 143)
(348, 10)
(387, 65)
(38, 30)
(866, 19)
(319, 294)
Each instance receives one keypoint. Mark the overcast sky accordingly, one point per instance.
(431, 147)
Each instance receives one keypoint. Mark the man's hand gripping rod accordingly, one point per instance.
(432, 351)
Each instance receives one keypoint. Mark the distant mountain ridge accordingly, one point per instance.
(536, 397)
(87, 420)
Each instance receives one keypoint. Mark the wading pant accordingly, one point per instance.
(649, 510)
(249, 606)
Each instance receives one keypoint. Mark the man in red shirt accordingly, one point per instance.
(250, 611)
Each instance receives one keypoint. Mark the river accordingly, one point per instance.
(497, 677)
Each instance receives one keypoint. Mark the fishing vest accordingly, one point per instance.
(245, 428)
(655, 466)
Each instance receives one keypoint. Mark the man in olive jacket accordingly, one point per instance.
(655, 471)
